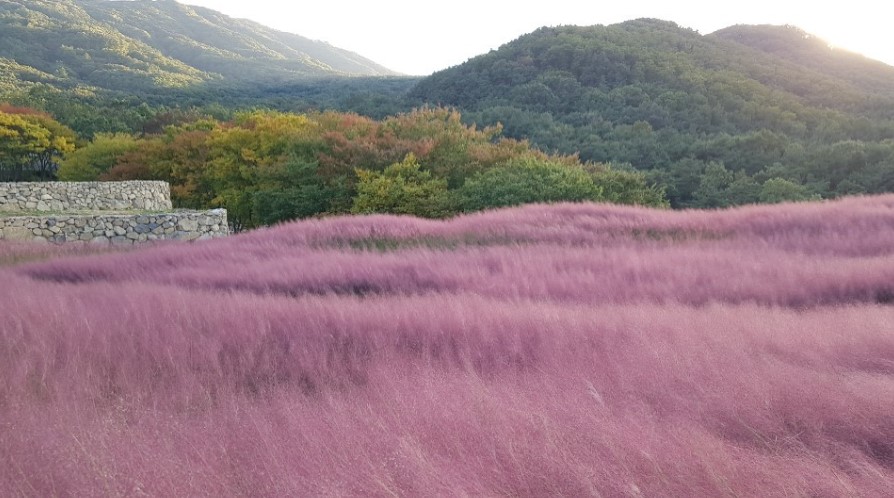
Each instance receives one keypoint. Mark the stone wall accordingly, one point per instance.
(101, 213)
(55, 197)
(101, 228)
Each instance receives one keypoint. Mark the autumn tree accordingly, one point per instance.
(266, 167)
(31, 144)
(245, 152)
(96, 157)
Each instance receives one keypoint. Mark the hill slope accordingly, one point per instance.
(759, 100)
(764, 64)
(154, 44)
(814, 55)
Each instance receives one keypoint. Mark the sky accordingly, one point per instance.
(418, 38)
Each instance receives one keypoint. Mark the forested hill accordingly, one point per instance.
(712, 117)
(868, 78)
(142, 44)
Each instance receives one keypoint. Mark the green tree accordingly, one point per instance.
(402, 188)
(781, 190)
(713, 189)
(294, 191)
(743, 190)
(526, 180)
(626, 186)
(681, 179)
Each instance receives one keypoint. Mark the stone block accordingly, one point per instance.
(181, 235)
(16, 233)
(188, 225)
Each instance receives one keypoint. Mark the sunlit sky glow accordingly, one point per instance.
(418, 38)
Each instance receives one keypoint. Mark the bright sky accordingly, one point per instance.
(417, 37)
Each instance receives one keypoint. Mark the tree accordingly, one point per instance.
(526, 180)
(626, 186)
(97, 157)
(20, 139)
(781, 190)
(292, 191)
(681, 179)
(241, 152)
(45, 164)
(713, 189)
(31, 144)
(402, 188)
(743, 190)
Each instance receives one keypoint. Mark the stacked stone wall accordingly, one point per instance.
(116, 228)
(84, 196)
(101, 213)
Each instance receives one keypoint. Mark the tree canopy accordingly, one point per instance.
(31, 144)
(268, 166)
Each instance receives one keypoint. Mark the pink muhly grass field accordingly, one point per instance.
(567, 350)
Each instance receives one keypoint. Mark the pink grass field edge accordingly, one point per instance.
(566, 350)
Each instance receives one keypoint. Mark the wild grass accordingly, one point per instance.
(16, 253)
(570, 350)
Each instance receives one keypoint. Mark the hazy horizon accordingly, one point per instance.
(414, 40)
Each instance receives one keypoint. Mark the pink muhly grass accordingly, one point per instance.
(571, 350)
(16, 253)
(792, 255)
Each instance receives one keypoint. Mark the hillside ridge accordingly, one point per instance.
(138, 45)
(719, 113)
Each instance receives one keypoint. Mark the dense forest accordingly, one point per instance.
(267, 166)
(713, 118)
(747, 114)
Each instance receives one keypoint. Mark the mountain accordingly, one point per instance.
(143, 44)
(778, 64)
(746, 104)
(800, 48)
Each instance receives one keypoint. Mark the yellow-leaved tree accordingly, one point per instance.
(31, 144)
